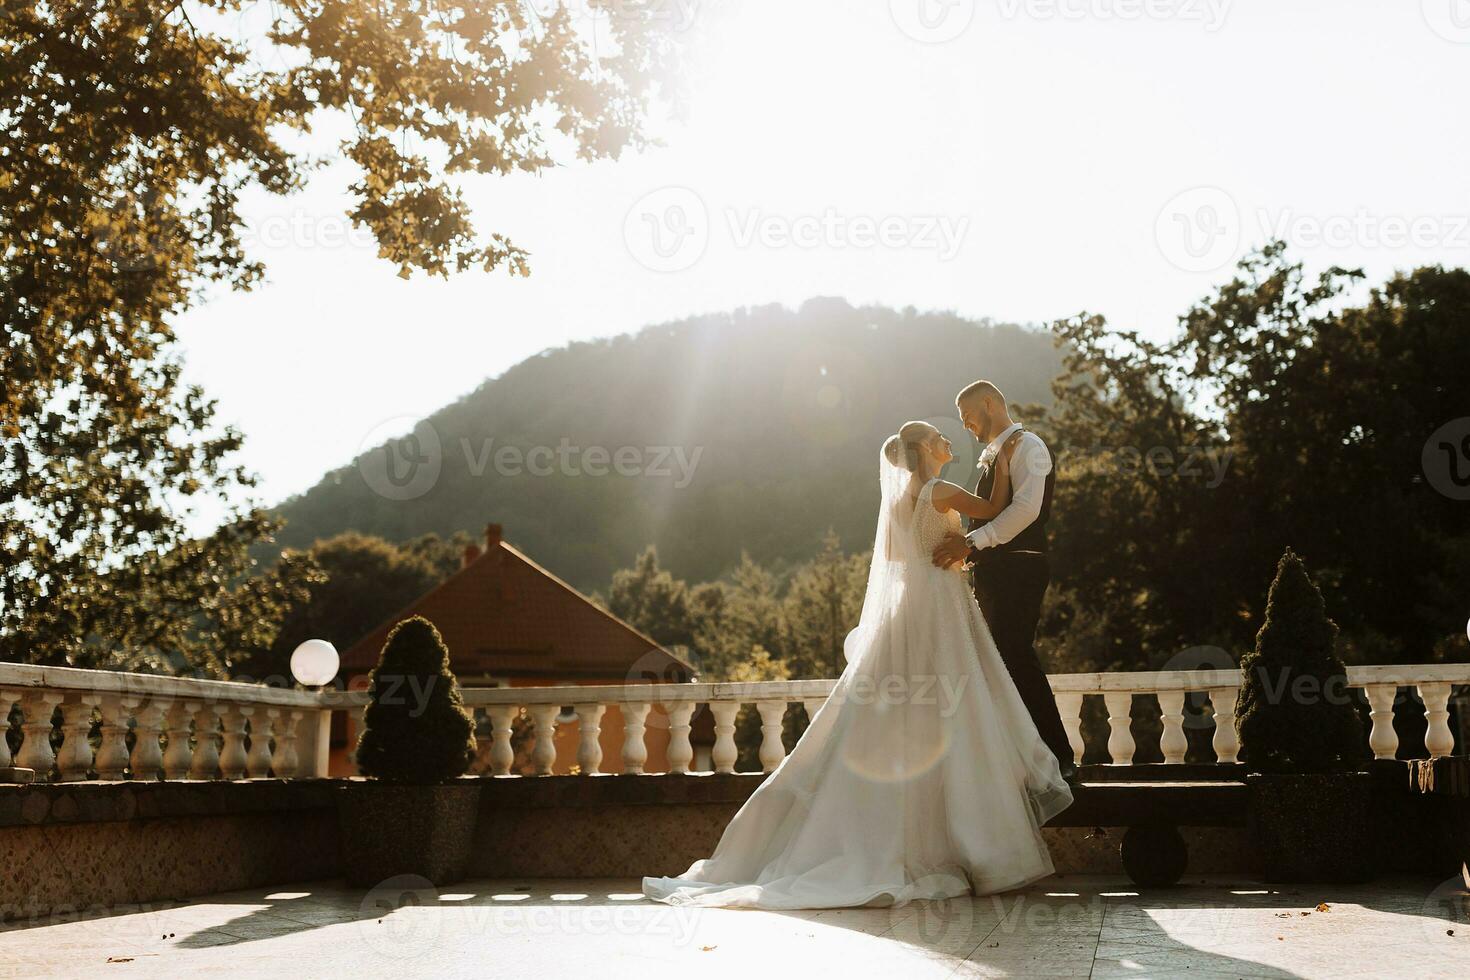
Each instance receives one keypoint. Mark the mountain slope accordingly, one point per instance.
(753, 430)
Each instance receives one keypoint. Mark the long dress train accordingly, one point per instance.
(921, 777)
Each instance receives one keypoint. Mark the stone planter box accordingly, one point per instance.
(1313, 827)
(388, 830)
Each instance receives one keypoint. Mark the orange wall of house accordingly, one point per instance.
(569, 737)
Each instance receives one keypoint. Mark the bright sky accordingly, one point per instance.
(1013, 159)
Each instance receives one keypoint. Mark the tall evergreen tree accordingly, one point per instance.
(1294, 712)
(416, 729)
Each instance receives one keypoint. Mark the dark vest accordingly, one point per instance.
(1033, 536)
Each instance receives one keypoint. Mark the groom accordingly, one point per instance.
(1008, 554)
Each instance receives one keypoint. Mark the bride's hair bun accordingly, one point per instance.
(902, 448)
(893, 450)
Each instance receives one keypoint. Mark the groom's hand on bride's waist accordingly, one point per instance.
(951, 551)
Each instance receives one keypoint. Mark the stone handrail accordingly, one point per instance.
(201, 729)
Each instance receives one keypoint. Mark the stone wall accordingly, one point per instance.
(71, 847)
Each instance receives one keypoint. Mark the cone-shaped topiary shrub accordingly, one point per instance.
(1294, 712)
(416, 730)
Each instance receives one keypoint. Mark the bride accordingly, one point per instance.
(922, 776)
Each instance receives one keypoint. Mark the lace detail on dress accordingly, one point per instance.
(930, 526)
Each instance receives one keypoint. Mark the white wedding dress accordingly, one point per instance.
(922, 777)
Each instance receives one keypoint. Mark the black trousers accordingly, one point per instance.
(1009, 588)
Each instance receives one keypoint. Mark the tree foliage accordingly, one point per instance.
(1294, 712)
(131, 131)
(1280, 414)
(758, 623)
(361, 580)
(416, 729)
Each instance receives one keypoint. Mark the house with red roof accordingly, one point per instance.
(508, 622)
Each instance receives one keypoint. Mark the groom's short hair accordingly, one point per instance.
(980, 389)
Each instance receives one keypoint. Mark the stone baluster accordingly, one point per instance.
(283, 722)
(502, 756)
(1172, 743)
(8, 700)
(543, 754)
(177, 756)
(36, 752)
(1120, 737)
(812, 706)
(232, 758)
(635, 751)
(1382, 739)
(147, 759)
(1438, 738)
(206, 741)
(112, 752)
(258, 759)
(1227, 746)
(1069, 706)
(724, 753)
(681, 752)
(589, 744)
(772, 751)
(75, 758)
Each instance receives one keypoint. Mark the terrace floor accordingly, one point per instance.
(1068, 926)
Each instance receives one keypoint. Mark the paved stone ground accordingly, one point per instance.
(1080, 926)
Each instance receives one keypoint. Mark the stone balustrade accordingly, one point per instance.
(184, 728)
(181, 728)
(1213, 693)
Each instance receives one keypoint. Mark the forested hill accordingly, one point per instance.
(753, 430)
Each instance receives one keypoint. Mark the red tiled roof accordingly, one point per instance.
(504, 615)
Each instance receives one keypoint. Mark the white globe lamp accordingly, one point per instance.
(314, 663)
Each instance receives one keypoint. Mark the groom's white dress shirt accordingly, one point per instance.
(1030, 464)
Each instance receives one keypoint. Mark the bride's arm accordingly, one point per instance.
(948, 496)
